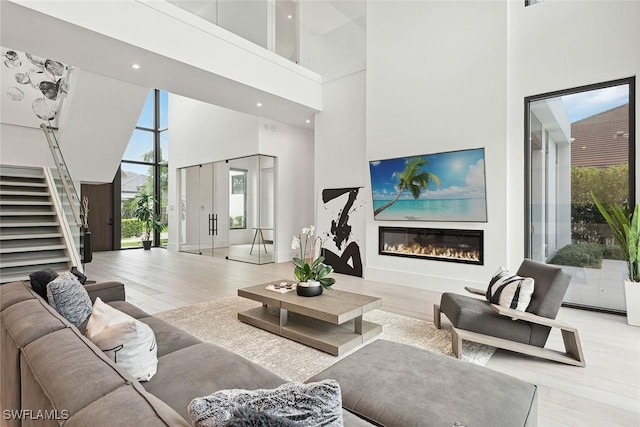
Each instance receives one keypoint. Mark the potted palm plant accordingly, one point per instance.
(625, 227)
(147, 216)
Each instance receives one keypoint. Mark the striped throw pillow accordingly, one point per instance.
(510, 290)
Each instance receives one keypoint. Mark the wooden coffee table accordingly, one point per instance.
(331, 322)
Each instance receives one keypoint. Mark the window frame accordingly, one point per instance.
(527, 144)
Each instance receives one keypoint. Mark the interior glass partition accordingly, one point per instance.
(227, 209)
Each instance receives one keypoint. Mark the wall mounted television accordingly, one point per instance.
(447, 186)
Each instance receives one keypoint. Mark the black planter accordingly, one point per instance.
(146, 244)
(309, 291)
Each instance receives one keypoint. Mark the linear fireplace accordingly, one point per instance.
(465, 246)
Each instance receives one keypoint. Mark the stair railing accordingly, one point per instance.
(65, 191)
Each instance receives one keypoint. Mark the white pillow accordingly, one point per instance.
(510, 290)
(130, 343)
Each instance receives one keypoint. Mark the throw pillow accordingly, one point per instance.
(245, 416)
(81, 277)
(318, 403)
(40, 280)
(69, 298)
(510, 290)
(130, 343)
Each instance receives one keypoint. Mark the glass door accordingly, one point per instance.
(251, 198)
(204, 221)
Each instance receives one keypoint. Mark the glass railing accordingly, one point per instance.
(74, 212)
(315, 35)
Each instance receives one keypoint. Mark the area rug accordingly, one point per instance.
(216, 322)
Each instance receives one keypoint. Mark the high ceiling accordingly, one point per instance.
(27, 30)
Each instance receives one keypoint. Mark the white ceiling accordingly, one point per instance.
(29, 31)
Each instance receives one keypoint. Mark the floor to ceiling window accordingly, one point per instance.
(144, 169)
(580, 141)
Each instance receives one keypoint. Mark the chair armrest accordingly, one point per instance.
(476, 291)
(107, 291)
(530, 317)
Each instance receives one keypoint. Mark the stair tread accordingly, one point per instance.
(22, 184)
(23, 193)
(25, 202)
(26, 213)
(35, 261)
(29, 236)
(51, 247)
(30, 224)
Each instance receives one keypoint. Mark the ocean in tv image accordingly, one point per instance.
(432, 187)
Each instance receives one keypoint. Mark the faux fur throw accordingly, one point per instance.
(313, 404)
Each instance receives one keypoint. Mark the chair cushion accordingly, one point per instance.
(551, 286)
(476, 315)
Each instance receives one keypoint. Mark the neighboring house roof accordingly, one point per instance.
(131, 184)
(602, 139)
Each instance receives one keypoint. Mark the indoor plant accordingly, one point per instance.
(311, 273)
(625, 227)
(144, 213)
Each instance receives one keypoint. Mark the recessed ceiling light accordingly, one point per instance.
(308, 121)
(289, 16)
(259, 104)
(135, 66)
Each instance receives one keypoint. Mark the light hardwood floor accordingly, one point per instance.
(604, 393)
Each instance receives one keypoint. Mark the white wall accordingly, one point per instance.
(23, 146)
(203, 133)
(340, 144)
(555, 45)
(436, 81)
(294, 207)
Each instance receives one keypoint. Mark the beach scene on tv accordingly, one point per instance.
(432, 187)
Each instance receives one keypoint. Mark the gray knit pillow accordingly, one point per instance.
(313, 404)
(69, 298)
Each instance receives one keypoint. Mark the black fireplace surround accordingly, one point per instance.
(464, 246)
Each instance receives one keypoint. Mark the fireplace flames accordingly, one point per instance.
(462, 252)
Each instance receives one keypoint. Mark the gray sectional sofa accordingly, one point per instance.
(51, 370)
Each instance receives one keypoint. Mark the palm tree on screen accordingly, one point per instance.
(412, 179)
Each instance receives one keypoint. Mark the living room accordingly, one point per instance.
(439, 76)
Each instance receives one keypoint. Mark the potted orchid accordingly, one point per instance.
(311, 273)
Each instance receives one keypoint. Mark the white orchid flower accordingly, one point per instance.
(312, 229)
(295, 243)
(306, 231)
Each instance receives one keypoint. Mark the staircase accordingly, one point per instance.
(31, 238)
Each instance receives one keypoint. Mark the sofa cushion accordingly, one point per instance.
(40, 279)
(130, 343)
(202, 369)
(444, 391)
(69, 298)
(128, 308)
(13, 293)
(67, 370)
(316, 403)
(126, 406)
(168, 337)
